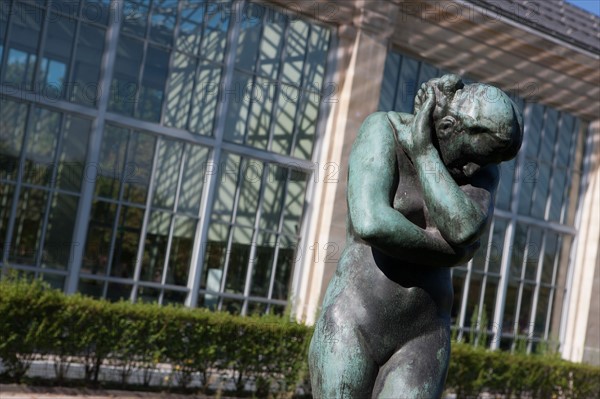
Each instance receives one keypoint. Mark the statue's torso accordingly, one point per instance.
(385, 296)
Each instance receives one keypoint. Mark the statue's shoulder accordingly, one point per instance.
(375, 126)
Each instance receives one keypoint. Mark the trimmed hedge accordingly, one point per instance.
(270, 351)
(36, 321)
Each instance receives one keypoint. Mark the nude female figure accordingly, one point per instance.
(420, 193)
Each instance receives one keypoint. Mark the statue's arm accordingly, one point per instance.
(372, 183)
(461, 213)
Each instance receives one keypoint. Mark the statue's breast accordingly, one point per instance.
(408, 199)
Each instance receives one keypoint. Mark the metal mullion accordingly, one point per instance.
(170, 66)
(35, 270)
(50, 189)
(94, 142)
(553, 167)
(463, 302)
(278, 234)
(536, 290)
(397, 87)
(78, 23)
(209, 189)
(113, 238)
(240, 297)
(4, 59)
(255, 233)
(254, 76)
(18, 184)
(199, 61)
(172, 225)
(278, 90)
(509, 238)
(148, 209)
(38, 99)
(552, 288)
(230, 227)
(40, 49)
(537, 158)
(136, 99)
(485, 270)
(302, 76)
(531, 221)
(522, 282)
(570, 172)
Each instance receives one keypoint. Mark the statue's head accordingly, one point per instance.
(475, 124)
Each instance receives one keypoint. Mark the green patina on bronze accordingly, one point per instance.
(420, 193)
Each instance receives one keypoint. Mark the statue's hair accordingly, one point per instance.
(445, 88)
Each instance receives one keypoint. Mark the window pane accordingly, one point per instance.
(153, 84)
(194, 175)
(262, 264)
(57, 54)
(286, 260)
(191, 26)
(88, 58)
(167, 173)
(294, 202)
(136, 174)
(250, 181)
(12, 128)
(41, 147)
(182, 244)
(26, 21)
(126, 244)
(261, 97)
(249, 37)
(214, 37)
(507, 178)
(109, 171)
(497, 245)
(118, 292)
(316, 59)
(6, 201)
(155, 248)
(458, 283)
(206, 98)
(284, 120)
(25, 242)
(97, 11)
(59, 243)
(273, 194)
(163, 21)
(216, 248)
(135, 17)
(238, 107)
(97, 248)
(295, 51)
(127, 70)
(181, 85)
(270, 46)
(226, 188)
(71, 162)
(239, 257)
(306, 125)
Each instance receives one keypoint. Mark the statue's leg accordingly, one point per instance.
(418, 369)
(340, 366)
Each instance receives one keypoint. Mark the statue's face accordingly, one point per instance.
(474, 131)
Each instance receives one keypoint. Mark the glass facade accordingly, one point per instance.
(158, 150)
(512, 291)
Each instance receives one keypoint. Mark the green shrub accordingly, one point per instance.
(269, 351)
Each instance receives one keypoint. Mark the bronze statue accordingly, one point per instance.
(420, 193)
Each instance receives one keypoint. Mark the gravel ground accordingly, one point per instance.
(26, 392)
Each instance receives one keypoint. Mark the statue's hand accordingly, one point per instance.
(416, 139)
